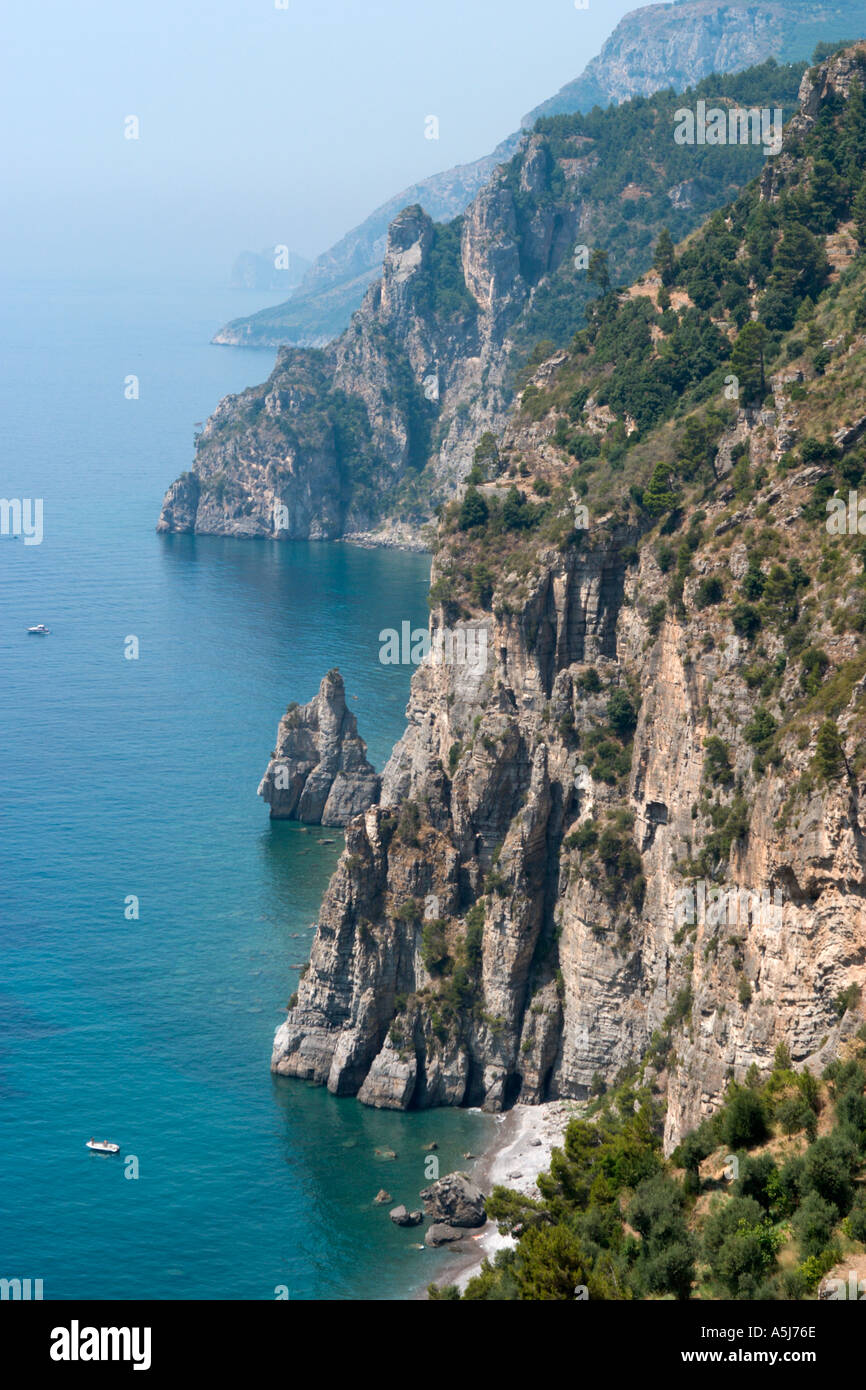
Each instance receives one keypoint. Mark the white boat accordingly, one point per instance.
(40, 630)
(102, 1146)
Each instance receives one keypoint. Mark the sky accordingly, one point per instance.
(260, 122)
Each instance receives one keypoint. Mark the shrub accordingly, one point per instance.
(847, 999)
(856, 1220)
(589, 681)
(517, 513)
(621, 714)
(434, 948)
(829, 754)
(814, 664)
(585, 836)
(794, 1114)
(709, 592)
(813, 1224)
(717, 766)
(746, 621)
(755, 1179)
(828, 1171)
(409, 823)
(761, 728)
(740, 1245)
(745, 1120)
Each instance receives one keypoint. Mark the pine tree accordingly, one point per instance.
(747, 363)
(665, 260)
(598, 271)
(473, 510)
(658, 496)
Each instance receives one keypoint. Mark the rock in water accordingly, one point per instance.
(442, 1234)
(401, 1217)
(319, 772)
(455, 1200)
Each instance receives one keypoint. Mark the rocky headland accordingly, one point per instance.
(635, 838)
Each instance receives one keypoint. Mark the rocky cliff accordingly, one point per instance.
(677, 44)
(334, 286)
(383, 424)
(653, 47)
(318, 773)
(634, 838)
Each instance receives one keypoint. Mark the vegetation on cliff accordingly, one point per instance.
(672, 707)
(760, 1202)
(382, 423)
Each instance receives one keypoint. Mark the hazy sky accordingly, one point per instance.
(258, 124)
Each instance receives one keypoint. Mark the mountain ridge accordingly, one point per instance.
(652, 47)
(673, 709)
(366, 437)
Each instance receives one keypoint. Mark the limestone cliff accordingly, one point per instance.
(383, 424)
(634, 836)
(318, 772)
(654, 46)
(677, 44)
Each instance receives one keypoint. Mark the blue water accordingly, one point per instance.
(138, 777)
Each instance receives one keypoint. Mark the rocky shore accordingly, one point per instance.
(520, 1149)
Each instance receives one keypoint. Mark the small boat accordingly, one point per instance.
(40, 630)
(102, 1146)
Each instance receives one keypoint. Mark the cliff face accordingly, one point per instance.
(678, 44)
(334, 286)
(577, 974)
(655, 46)
(332, 433)
(318, 772)
(634, 836)
(383, 424)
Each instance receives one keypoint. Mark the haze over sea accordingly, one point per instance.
(122, 777)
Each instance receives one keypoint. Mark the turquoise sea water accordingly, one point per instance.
(138, 777)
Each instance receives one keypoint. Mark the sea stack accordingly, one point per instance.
(319, 773)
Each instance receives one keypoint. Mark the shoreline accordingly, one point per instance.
(520, 1149)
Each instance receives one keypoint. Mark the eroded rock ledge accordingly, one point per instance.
(319, 772)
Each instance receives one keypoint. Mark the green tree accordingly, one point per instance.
(665, 259)
(746, 620)
(761, 728)
(517, 513)
(598, 271)
(745, 1120)
(829, 1163)
(621, 714)
(552, 1263)
(473, 510)
(659, 497)
(748, 363)
(813, 1224)
(830, 759)
(740, 1245)
(717, 765)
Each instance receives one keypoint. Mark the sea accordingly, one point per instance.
(153, 921)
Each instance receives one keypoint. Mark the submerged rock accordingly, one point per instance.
(319, 772)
